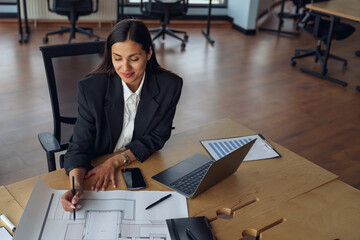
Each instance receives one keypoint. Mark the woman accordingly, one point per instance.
(126, 105)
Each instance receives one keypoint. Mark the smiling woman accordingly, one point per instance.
(129, 61)
(126, 105)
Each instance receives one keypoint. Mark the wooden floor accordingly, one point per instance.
(246, 78)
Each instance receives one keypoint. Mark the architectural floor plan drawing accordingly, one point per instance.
(109, 215)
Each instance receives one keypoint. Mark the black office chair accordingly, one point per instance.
(72, 9)
(318, 26)
(65, 65)
(166, 10)
(299, 4)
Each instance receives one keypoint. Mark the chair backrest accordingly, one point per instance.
(65, 65)
(161, 8)
(63, 7)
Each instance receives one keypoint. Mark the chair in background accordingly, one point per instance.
(72, 9)
(65, 65)
(166, 10)
(319, 26)
(299, 4)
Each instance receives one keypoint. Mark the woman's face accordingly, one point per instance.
(129, 61)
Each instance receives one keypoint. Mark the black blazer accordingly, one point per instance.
(100, 120)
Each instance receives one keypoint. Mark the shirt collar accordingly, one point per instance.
(128, 92)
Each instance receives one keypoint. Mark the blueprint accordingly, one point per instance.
(110, 215)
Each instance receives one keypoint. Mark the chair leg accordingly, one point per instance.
(171, 33)
(186, 37)
(61, 160)
(335, 57)
(176, 31)
(87, 32)
(307, 53)
(303, 50)
(51, 161)
(61, 31)
(155, 29)
(163, 30)
(319, 56)
(158, 34)
(338, 58)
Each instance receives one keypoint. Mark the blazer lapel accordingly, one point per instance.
(114, 110)
(147, 105)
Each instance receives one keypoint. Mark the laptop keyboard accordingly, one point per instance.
(188, 183)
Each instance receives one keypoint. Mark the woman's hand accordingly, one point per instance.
(104, 173)
(70, 202)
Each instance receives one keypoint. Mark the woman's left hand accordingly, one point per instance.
(103, 174)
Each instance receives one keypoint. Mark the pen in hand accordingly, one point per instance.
(73, 192)
(158, 201)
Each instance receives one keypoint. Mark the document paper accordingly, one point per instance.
(218, 148)
(4, 234)
(115, 215)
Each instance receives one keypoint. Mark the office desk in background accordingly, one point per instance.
(281, 15)
(23, 36)
(277, 182)
(347, 9)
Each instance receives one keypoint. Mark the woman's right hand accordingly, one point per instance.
(70, 202)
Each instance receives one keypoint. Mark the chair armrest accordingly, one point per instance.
(97, 6)
(49, 143)
(48, 5)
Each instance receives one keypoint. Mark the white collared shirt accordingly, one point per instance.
(131, 102)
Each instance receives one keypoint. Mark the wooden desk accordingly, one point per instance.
(9, 207)
(348, 9)
(329, 212)
(274, 181)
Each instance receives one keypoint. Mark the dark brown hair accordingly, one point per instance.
(128, 29)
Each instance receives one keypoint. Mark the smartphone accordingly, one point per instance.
(133, 178)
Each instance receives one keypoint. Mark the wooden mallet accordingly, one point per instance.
(253, 234)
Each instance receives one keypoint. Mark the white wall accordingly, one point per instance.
(244, 13)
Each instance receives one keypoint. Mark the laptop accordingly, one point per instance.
(198, 173)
